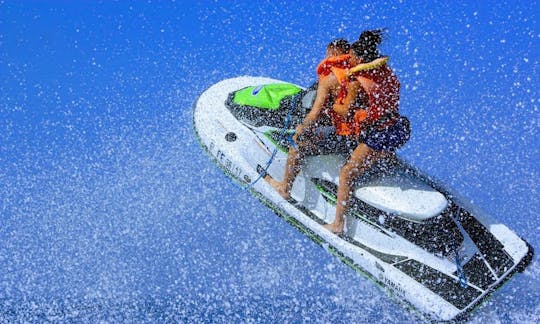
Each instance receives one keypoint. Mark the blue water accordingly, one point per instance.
(109, 209)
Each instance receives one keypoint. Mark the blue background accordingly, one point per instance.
(109, 209)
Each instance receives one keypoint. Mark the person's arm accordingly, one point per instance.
(352, 92)
(370, 87)
(323, 93)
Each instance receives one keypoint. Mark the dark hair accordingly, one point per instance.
(367, 45)
(340, 44)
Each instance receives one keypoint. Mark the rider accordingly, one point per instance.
(364, 114)
(337, 57)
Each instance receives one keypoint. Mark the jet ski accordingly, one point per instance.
(432, 250)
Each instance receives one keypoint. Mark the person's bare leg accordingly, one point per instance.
(292, 168)
(360, 160)
(325, 88)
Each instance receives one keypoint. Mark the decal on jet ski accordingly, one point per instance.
(226, 162)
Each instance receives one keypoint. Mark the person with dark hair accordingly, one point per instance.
(379, 125)
(368, 44)
(365, 121)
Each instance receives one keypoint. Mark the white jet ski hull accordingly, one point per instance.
(403, 231)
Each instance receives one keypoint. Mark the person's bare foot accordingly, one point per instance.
(334, 228)
(278, 186)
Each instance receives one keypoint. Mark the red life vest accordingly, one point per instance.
(382, 98)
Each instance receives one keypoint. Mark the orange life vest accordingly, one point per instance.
(350, 124)
(330, 64)
(383, 98)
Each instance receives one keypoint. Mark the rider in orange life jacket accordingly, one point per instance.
(365, 121)
(337, 59)
(337, 56)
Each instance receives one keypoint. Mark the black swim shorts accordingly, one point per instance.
(323, 140)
